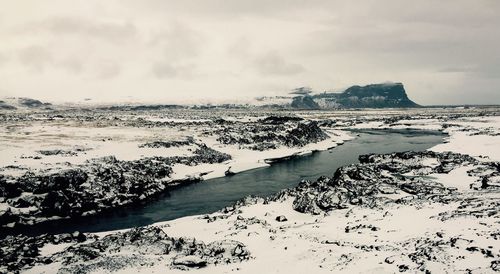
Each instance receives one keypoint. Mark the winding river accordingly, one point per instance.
(214, 194)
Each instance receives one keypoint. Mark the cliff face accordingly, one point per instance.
(304, 102)
(376, 96)
(391, 95)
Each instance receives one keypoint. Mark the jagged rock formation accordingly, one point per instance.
(277, 120)
(272, 132)
(139, 246)
(379, 179)
(33, 196)
(91, 188)
(168, 144)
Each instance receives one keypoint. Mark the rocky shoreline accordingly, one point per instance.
(429, 211)
(377, 182)
(99, 185)
(102, 184)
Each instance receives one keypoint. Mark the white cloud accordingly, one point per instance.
(35, 57)
(110, 30)
(443, 51)
(272, 63)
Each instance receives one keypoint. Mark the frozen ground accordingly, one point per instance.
(68, 163)
(432, 212)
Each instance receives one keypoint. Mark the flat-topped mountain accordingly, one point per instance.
(387, 95)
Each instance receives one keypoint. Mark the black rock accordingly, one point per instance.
(277, 120)
(9, 189)
(281, 218)
(190, 261)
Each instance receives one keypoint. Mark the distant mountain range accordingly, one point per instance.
(387, 95)
(12, 103)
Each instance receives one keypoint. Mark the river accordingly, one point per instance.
(211, 195)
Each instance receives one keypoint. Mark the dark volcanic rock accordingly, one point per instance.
(208, 155)
(305, 133)
(9, 189)
(20, 252)
(57, 152)
(369, 183)
(276, 120)
(304, 102)
(167, 144)
(98, 185)
(116, 251)
(281, 218)
(190, 261)
(272, 132)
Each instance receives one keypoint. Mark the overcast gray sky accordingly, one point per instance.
(211, 50)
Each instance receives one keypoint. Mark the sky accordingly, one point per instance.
(208, 51)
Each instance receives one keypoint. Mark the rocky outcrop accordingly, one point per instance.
(135, 247)
(168, 144)
(272, 132)
(99, 185)
(277, 120)
(304, 102)
(57, 152)
(305, 133)
(380, 179)
(18, 252)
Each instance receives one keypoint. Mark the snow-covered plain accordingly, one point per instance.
(43, 145)
(456, 234)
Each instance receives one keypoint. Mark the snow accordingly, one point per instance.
(307, 244)
(123, 143)
(474, 145)
(480, 145)
(246, 159)
(19, 146)
(459, 141)
(369, 125)
(456, 178)
(297, 246)
(50, 249)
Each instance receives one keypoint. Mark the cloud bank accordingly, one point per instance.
(445, 52)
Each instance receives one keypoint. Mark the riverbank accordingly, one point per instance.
(59, 166)
(415, 215)
(211, 195)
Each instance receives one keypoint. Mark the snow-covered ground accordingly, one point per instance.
(22, 144)
(476, 136)
(168, 149)
(454, 232)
